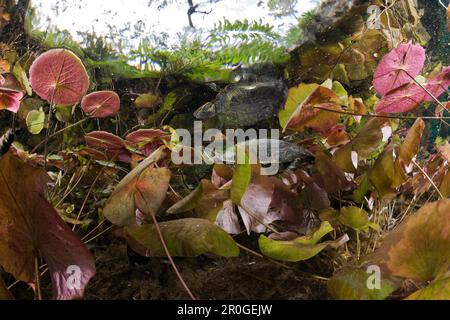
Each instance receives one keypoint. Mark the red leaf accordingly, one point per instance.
(147, 140)
(403, 99)
(104, 140)
(10, 99)
(29, 224)
(438, 84)
(397, 66)
(101, 104)
(59, 77)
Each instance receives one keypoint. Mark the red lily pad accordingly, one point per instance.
(406, 98)
(104, 140)
(398, 66)
(59, 77)
(147, 140)
(101, 104)
(438, 84)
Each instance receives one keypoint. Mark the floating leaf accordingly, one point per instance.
(418, 248)
(30, 224)
(301, 248)
(188, 237)
(436, 290)
(398, 66)
(351, 283)
(101, 104)
(35, 121)
(59, 77)
(143, 189)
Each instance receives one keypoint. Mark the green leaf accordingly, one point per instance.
(35, 121)
(353, 283)
(188, 237)
(187, 203)
(295, 97)
(437, 290)
(21, 75)
(301, 248)
(241, 179)
(355, 218)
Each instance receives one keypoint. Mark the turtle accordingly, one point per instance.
(287, 154)
(244, 104)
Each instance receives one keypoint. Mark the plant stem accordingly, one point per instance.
(37, 276)
(428, 178)
(58, 132)
(166, 250)
(380, 115)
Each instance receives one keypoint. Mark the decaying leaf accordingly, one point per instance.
(419, 248)
(410, 145)
(307, 114)
(188, 237)
(143, 189)
(30, 225)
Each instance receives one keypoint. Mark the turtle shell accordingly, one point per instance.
(243, 105)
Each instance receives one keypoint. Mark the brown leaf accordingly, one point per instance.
(29, 224)
(307, 115)
(410, 145)
(144, 188)
(419, 248)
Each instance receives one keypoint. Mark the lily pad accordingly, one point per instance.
(35, 121)
(101, 104)
(59, 77)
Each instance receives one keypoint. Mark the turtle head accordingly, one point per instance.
(206, 111)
